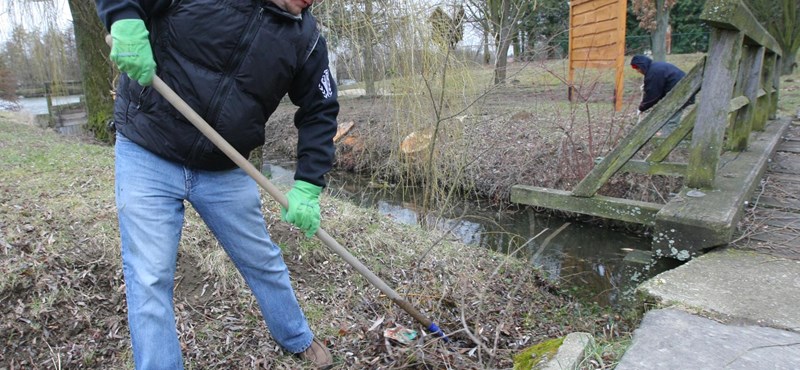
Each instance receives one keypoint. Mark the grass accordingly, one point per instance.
(62, 295)
(604, 354)
(551, 72)
(789, 95)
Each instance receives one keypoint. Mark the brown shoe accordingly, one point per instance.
(318, 354)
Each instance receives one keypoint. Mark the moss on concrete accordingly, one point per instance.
(538, 354)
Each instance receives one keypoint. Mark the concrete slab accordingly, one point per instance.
(673, 339)
(571, 352)
(734, 286)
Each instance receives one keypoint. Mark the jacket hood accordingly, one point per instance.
(642, 62)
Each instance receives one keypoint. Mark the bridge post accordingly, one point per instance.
(48, 96)
(748, 83)
(774, 84)
(722, 65)
(765, 101)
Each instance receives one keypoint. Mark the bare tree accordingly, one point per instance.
(782, 19)
(43, 57)
(8, 83)
(501, 20)
(653, 16)
(17, 54)
(97, 73)
(358, 24)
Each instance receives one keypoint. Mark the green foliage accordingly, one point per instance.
(689, 33)
(547, 22)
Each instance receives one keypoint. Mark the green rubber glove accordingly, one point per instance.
(131, 51)
(303, 209)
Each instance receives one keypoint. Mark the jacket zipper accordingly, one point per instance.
(141, 94)
(215, 107)
(313, 46)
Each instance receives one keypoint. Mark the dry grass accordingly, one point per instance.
(62, 297)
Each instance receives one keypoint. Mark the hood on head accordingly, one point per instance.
(642, 62)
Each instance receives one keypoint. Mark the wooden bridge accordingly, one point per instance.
(734, 132)
(773, 222)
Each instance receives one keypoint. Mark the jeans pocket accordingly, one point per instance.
(122, 138)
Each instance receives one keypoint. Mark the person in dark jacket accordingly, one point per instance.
(659, 79)
(232, 62)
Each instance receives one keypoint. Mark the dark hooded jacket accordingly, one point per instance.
(659, 79)
(232, 62)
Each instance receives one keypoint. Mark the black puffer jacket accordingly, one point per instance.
(232, 62)
(659, 79)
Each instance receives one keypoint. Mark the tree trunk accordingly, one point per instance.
(659, 35)
(501, 63)
(97, 74)
(788, 63)
(519, 50)
(487, 57)
(503, 43)
(368, 38)
(369, 75)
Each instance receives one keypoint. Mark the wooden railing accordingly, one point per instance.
(736, 86)
(741, 58)
(67, 87)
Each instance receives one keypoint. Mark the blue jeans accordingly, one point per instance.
(150, 194)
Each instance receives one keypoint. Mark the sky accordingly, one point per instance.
(41, 14)
(33, 14)
(36, 14)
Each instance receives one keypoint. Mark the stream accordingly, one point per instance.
(587, 260)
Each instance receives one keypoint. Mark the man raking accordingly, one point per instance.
(232, 62)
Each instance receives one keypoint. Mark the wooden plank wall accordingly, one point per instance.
(597, 40)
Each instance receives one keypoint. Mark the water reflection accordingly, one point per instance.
(39, 105)
(589, 260)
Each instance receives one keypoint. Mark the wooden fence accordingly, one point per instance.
(68, 87)
(68, 119)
